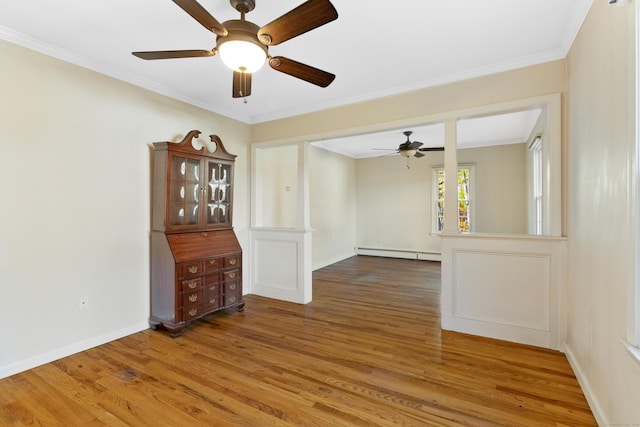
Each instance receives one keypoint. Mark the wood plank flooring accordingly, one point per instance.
(368, 351)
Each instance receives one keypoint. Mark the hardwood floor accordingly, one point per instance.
(367, 351)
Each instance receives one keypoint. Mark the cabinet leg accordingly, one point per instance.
(241, 306)
(153, 325)
(176, 332)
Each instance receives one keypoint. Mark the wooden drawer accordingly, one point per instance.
(192, 298)
(234, 260)
(211, 296)
(190, 312)
(191, 285)
(213, 264)
(212, 302)
(212, 288)
(232, 292)
(191, 269)
(192, 304)
(231, 275)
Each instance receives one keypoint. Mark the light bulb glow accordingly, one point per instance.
(242, 56)
(407, 153)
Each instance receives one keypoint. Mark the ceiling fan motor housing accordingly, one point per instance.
(241, 30)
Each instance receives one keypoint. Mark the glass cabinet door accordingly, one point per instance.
(218, 192)
(184, 191)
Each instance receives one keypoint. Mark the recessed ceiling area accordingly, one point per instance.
(375, 49)
(497, 129)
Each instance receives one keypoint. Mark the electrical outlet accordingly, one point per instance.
(83, 303)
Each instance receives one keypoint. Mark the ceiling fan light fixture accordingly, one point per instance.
(240, 49)
(408, 153)
(242, 55)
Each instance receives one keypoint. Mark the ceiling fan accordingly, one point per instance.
(412, 149)
(244, 46)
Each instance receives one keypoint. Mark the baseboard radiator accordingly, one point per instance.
(399, 253)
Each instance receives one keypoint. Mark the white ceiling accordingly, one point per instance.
(376, 48)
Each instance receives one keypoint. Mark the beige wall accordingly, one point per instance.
(394, 209)
(74, 217)
(277, 187)
(332, 202)
(394, 203)
(543, 79)
(500, 187)
(600, 177)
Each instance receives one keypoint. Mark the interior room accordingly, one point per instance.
(547, 140)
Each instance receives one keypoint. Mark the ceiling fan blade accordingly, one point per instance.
(431, 149)
(200, 14)
(309, 15)
(301, 71)
(414, 145)
(168, 54)
(418, 154)
(241, 84)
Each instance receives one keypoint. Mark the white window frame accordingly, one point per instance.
(434, 196)
(536, 152)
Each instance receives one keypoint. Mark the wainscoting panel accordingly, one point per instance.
(520, 292)
(281, 264)
(505, 287)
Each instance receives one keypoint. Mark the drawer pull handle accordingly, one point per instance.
(213, 288)
(232, 275)
(193, 312)
(232, 286)
(232, 261)
(193, 297)
(193, 285)
(232, 299)
(212, 262)
(212, 301)
(193, 269)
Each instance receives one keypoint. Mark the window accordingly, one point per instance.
(536, 151)
(465, 178)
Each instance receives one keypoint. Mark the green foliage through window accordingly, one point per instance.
(463, 200)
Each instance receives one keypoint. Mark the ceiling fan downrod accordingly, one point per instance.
(408, 134)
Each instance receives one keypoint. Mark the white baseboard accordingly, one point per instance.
(595, 406)
(325, 263)
(41, 359)
(399, 253)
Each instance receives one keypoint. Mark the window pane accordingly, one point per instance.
(463, 216)
(440, 214)
(464, 175)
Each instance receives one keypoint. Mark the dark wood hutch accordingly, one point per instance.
(196, 260)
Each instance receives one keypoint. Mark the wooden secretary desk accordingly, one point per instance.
(196, 260)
